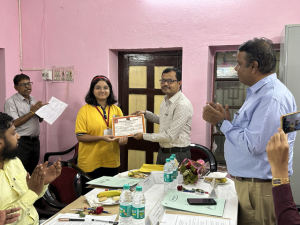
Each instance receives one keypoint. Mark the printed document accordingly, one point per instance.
(173, 219)
(128, 125)
(52, 111)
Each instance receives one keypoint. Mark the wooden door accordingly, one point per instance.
(139, 89)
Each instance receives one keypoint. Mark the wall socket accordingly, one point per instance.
(47, 74)
(63, 74)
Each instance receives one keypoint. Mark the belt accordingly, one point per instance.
(175, 149)
(30, 138)
(251, 179)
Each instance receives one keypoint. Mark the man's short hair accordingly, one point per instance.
(20, 77)
(262, 51)
(177, 71)
(6, 122)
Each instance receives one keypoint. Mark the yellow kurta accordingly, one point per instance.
(101, 153)
(14, 192)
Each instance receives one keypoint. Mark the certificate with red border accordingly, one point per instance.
(128, 125)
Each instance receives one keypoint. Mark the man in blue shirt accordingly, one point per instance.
(251, 129)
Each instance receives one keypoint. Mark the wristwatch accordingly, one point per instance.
(219, 124)
(279, 181)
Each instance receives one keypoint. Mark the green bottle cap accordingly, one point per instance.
(138, 188)
(126, 187)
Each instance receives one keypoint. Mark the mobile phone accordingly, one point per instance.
(290, 122)
(201, 201)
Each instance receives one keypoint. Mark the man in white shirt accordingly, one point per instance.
(22, 107)
(175, 119)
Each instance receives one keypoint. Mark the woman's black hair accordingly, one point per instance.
(90, 97)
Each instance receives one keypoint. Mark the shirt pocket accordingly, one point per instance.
(23, 108)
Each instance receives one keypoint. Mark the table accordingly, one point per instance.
(156, 192)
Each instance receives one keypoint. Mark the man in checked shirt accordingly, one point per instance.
(175, 120)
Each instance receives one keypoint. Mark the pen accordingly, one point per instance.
(71, 219)
(188, 191)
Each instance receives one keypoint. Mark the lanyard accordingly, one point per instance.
(107, 122)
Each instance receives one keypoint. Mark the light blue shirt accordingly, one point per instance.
(252, 127)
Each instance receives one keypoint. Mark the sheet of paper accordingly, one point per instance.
(158, 176)
(128, 125)
(178, 200)
(156, 213)
(88, 219)
(172, 219)
(115, 182)
(151, 167)
(147, 183)
(52, 111)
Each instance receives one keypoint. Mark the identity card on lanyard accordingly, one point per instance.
(107, 131)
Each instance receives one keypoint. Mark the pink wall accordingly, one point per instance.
(9, 46)
(87, 34)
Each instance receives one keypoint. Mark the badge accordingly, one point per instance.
(108, 131)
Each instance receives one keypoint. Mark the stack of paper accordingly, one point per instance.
(115, 182)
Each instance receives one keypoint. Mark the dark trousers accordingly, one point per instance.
(103, 171)
(29, 153)
(180, 156)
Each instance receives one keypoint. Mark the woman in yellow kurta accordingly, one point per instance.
(99, 153)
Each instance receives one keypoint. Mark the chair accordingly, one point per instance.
(72, 160)
(67, 187)
(199, 151)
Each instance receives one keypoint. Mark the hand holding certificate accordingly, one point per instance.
(128, 125)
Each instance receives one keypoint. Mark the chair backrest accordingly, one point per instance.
(75, 156)
(64, 184)
(199, 151)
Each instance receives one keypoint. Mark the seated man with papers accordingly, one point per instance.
(18, 189)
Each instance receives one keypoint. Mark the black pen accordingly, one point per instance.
(70, 219)
(73, 219)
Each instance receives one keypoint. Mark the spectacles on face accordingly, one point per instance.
(169, 81)
(98, 88)
(26, 84)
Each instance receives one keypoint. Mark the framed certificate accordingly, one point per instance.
(128, 125)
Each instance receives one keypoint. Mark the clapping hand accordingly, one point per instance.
(220, 108)
(36, 181)
(51, 172)
(8, 216)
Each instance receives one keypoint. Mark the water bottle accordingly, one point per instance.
(175, 169)
(138, 207)
(168, 175)
(125, 206)
(174, 177)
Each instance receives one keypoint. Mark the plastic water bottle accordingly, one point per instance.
(174, 177)
(175, 169)
(125, 206)
(168, 175)
(138, 207)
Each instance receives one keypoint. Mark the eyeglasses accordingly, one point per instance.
(169, 81)
(26, 84)
(105, 88)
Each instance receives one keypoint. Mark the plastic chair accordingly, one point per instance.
(199, 151)
(72, 160)
(67, 187)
